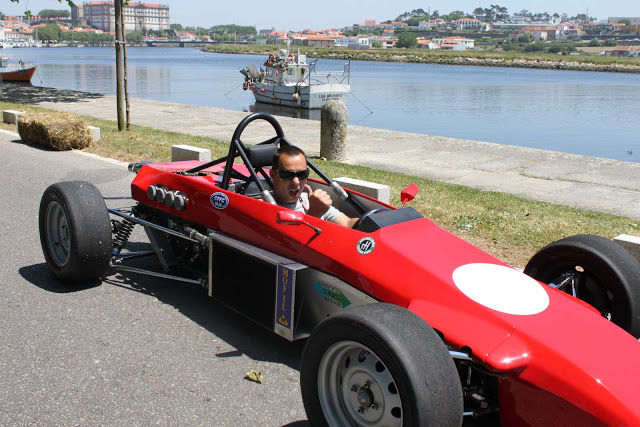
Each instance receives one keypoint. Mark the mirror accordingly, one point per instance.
(408, 193)
(290, 217)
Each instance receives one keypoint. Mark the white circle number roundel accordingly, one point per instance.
(501, 288)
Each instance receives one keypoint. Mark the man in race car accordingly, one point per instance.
(289, 173)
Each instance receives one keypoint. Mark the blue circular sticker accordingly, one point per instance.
(219, 200)
(366, 245)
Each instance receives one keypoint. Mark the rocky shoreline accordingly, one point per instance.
(489, 62)
(546, 64)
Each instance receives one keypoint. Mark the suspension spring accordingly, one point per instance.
(124, 230)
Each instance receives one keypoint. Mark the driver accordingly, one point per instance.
(289, 173)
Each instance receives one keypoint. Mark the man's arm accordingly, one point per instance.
(319, 204)
(345, 221)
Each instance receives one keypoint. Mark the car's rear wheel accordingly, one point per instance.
(75, 232)
(596, 270)
(379, 365)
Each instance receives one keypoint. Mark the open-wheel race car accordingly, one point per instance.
(406, 324)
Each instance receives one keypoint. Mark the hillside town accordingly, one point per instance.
(93, 23)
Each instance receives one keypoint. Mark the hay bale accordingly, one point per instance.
(56, 130)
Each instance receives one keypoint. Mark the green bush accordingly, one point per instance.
(526, 38)
(562, 48)
(538, 46)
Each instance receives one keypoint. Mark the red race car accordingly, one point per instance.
(406, 324)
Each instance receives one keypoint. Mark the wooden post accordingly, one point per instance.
(124, 67)
(120, 101)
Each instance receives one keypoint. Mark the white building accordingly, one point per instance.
(137, 16)
(454, 43)
(467, 23)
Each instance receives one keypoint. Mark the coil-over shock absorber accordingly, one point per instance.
(123, 230)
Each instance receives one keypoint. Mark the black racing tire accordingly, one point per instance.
(384, 355)
(75, 231)
(605, 275)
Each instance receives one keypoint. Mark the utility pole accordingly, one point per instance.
(120, 101)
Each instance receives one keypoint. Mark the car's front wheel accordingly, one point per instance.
(75, 232)
(379, 365)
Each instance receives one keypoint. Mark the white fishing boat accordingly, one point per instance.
(287, 79)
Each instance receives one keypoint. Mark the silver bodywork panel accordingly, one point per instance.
(281, 294)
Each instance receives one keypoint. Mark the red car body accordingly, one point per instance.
(558, 361)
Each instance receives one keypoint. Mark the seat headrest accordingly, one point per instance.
(261, 155)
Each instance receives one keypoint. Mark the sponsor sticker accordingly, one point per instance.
(332, 294)
(219, 200)
(284, 296)
(366, 245)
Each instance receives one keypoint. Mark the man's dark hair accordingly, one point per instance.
(289, 150)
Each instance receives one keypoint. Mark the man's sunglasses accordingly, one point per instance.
(289, 175)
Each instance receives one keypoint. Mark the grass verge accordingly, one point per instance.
(508, 227)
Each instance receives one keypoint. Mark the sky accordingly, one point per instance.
(338, 13)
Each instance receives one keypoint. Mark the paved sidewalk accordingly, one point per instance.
(583, 182)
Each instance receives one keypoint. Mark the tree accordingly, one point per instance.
(456, 14)
(564, 48)
(501, 13)
(232, 29)
(625, 21)
(407, 39)
(415, 13)
(582, 18)
(414, 21)
(526, 38)
(28, 13)
(51, 13)
(610, 42)
(509, 46)
(489, 15)
(134, 37)
(538, 46)
(51, 32)
(595, 43)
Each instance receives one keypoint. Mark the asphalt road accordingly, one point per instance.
(133, 350)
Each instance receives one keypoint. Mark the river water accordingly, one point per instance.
(594, 114)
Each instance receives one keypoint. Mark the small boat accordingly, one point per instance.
(288, 80)
(15, 72)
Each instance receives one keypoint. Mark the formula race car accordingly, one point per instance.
(406, 324)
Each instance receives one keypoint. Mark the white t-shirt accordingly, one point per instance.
(302, 205)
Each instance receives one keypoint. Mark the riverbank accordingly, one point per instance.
(472, 58)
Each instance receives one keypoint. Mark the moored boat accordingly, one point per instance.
(288, 80)
(15, 72)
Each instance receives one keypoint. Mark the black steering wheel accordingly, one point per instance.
(366, 215)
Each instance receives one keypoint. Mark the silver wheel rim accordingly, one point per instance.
(57, 230)
(356, 388)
